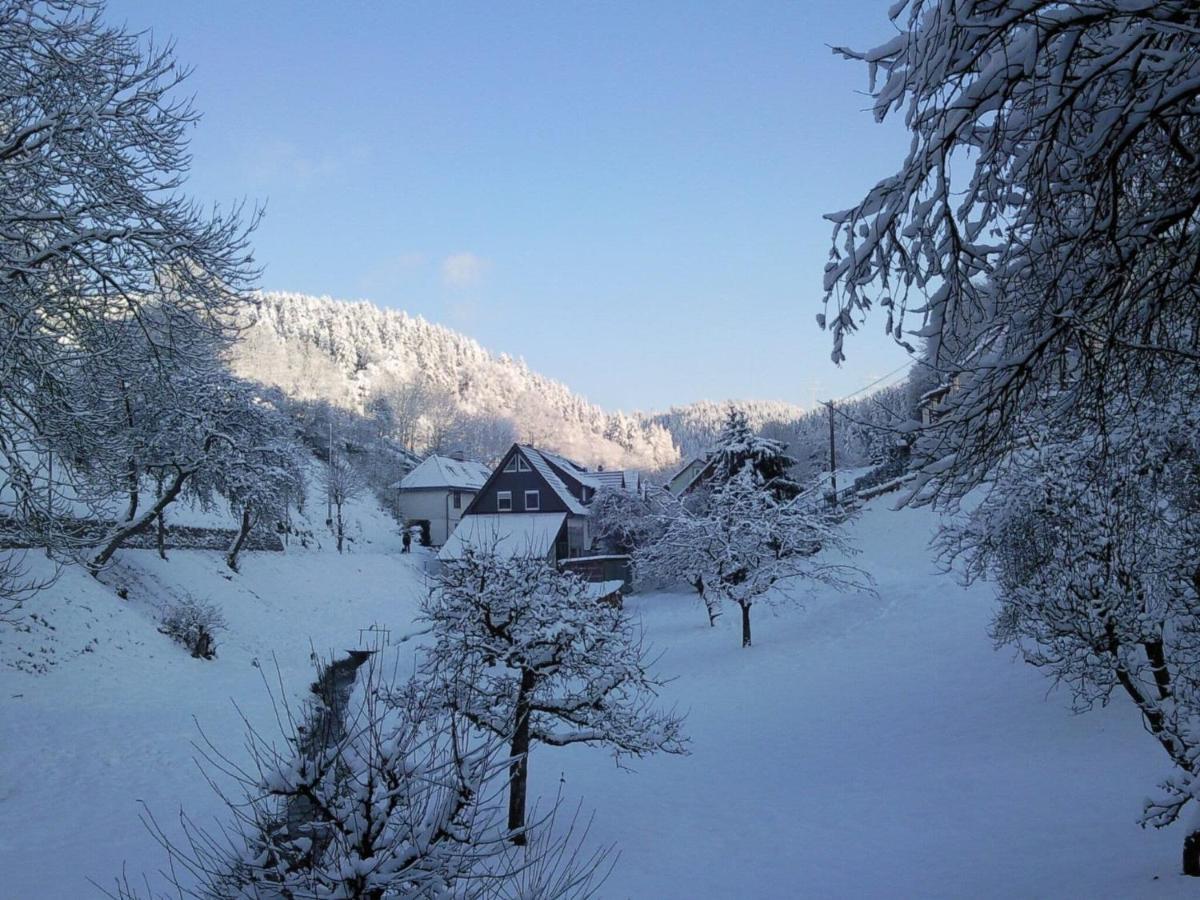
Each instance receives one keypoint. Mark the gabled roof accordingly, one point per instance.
(445, 472)
(508, 535)
(542, 466)
(616, 478)
(569, 467)
(681, 487)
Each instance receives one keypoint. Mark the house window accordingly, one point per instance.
(512, 464)
(458, 499)
(522, 465)
(504, 501)
(533, 501)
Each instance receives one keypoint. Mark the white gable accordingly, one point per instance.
(535, 459)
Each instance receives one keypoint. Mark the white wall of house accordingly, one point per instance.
(437, 506)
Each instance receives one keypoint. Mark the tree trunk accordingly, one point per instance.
(160, 521)
(711, 606)
(745, 624)
(117, 538)
(132, 479)
(247, 523)
(160, 535)
(518, 769)
(340, 529)
(1191, 854)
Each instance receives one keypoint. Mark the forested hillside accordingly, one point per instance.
(438, 389)
(434, 389)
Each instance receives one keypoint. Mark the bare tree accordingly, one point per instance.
(746, 547)
(1043, 229)
(343, 483)
(262, 475)
(528, 653)
(1092, 547)
(93, 229)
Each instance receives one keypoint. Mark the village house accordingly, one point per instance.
(435, 495)
(693, 473)
(535, 503)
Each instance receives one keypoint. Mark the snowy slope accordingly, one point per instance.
(864, 747)
(317, 348)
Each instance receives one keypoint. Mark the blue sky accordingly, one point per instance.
(628, 195)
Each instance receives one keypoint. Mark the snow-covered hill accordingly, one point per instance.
(316, 348)
(864, 747)
(695, 426)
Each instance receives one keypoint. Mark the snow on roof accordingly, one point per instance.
(598, 590)
(623, 479)
(539, 463)
(614, 478)
(445, 472)
(574, 469)
(508, 535)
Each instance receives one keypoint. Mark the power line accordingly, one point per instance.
(867, 387)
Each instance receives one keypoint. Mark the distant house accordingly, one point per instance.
(437, 492)
(930, 403)
(690, 476)
(618, 479)
(534, 504)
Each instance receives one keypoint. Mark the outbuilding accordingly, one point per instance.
(436, 493)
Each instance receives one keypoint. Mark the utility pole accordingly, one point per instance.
(832, 456)
(329, 493)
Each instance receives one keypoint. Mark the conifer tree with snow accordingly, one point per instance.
(528, 653)
(738, 448)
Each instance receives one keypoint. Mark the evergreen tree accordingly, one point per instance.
(738, 446)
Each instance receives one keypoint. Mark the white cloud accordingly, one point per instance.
(463, 269)
(284, 162)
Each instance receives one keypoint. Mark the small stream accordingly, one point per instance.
(326, 723)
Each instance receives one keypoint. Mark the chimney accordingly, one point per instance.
(459, 455)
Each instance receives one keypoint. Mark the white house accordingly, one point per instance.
(436, 493)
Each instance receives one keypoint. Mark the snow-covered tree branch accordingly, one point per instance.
(529, 653)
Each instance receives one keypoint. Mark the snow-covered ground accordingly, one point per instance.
(864, 747)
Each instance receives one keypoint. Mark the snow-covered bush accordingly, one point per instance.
(194, 624)
(622, 520)
(387, 795)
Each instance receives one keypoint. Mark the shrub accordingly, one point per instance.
(194, 624)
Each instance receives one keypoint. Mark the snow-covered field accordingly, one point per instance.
(864, 747)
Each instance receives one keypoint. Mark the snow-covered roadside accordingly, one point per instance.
(863, 747)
